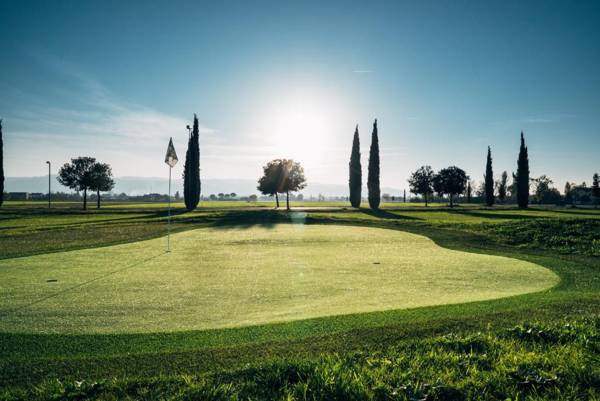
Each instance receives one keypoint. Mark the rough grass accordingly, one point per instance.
(537, 361)
(227, 277)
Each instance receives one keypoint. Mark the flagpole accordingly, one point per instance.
(169, 214)
(171, 160)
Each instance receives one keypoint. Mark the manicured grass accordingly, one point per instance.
(227, 277)
(255, 361)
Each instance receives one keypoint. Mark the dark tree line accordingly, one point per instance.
(453, 181)
(521, 180)
(449, 181)
(191, 170)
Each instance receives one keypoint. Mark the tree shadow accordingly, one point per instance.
(580, 212)
(385, 214)
(243, 219)
(495, 215)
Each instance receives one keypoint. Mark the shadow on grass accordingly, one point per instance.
(584, 213)
(495, 215)
(385, 214)
(244, 219)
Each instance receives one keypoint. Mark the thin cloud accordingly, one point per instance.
(536, 119)
(362, 71)
(99, 124)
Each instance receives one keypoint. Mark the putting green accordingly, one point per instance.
(232, 277)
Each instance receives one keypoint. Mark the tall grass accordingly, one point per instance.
(537, 361)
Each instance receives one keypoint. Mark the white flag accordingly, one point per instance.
(171, 157)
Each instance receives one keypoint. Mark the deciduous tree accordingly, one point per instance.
(270, 182)
(282, 176)
(101, 180)
(451, 181)
(421, 182)
(77, 175)
(293, 179)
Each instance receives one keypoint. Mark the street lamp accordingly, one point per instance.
(49, 171)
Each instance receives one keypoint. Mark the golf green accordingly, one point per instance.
(227, 277)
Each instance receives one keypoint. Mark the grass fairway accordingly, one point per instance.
(122, 320)
(227, 277)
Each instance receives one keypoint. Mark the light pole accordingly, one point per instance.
(49, 172)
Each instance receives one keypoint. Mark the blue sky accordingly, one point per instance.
(116, 79)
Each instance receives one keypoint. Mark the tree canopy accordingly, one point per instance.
(451, 181)
(544, 193)
(101, 180)
(282, 176)
(77, 175)
(421, 182)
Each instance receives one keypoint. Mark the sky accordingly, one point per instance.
(445, 79)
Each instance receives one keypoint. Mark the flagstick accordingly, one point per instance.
(169, 214)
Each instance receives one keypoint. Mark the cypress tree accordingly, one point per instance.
(355, 181)
(469, 191)
(523, 176)
(191, 171)
(1, 166)
(596, 189)
(373, 179)
(489, 180)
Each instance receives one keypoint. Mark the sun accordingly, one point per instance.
(303, 124)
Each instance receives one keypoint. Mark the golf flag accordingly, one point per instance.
(171, 157)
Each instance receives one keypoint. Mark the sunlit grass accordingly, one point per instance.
(231, 277)
(150, 365)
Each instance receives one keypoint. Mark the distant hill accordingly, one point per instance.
(145, 185)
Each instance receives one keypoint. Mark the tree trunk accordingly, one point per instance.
(287, 200)
(277, 199)
(451, 204)
(85, 199)
(425, 199)
(97, 199)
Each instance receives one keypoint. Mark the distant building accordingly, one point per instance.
(18, 196)
(37, 196)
